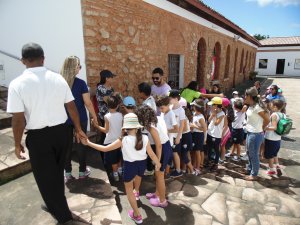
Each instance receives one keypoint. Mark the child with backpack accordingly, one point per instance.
(272, 139)
(135, 147)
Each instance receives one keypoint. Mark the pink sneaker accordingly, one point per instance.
(136, 219)
(151, 195)
(271, 172)
(136, 195)
(155, 202)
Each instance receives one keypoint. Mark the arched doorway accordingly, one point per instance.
(245, 69)
(201, 59)
(216, 61)
(242, 62)
(226, 75)
(234, 67)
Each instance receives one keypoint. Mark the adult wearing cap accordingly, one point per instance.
(159, 87)
(257, 120)
(104, 90)
(37, 100)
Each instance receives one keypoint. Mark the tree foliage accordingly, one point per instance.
(260, 36)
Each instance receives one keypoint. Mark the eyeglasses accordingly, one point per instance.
(155, 78)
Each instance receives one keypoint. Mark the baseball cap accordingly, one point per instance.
(107, 73)
(225, 102)
(215, 101)
(129, 101)
(235, 93)
(174, 93)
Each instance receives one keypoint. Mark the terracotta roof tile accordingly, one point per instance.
(281, 41)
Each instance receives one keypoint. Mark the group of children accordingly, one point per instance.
(173, 135)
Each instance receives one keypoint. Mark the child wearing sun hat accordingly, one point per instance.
(215, 129)
(135, 146)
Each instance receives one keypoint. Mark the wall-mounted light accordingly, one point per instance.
(236, 37)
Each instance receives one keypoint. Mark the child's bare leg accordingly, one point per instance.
(238, 150)
(131, 197)
(160, 186)
(137, 183)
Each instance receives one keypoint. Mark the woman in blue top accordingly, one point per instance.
(70, 69)
(273, 93)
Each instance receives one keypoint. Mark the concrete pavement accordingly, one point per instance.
(223, 197)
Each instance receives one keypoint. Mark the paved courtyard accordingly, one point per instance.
(223, 197)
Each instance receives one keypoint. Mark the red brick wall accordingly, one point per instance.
(131, 38)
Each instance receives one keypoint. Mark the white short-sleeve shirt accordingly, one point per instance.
(150, 101)
(196, 119)
(115, 121)
(271, 134)
(216, 130)
(41, 95)
(170, 120)
(239, 118)
(130, 154)
(254, 120)
(179, 114)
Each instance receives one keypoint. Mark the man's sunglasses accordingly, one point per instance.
(155, 78)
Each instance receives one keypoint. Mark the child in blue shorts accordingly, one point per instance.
(135, 148)
(112, 129)
(272, 139)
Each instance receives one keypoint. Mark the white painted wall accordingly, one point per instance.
(170, 7)
(54, 24)
(289, 56)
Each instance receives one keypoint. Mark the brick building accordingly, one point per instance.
(189, 40)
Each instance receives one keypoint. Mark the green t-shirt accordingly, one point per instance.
(189, 95)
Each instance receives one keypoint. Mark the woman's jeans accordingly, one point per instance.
(253, 143)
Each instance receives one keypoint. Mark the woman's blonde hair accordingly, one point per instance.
(69, 69)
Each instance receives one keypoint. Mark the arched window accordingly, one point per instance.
(201, 59)
(227, 62)
(242, 62)
(216, 61)
(234, 68)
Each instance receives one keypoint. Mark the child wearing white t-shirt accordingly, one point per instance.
(237, 129)
(215, 129)
(272, 139)
(199, 129)
(112, 129)
(135, 148)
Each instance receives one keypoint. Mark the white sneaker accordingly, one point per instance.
(228, 155)
(148, 173)
(116, 176)
(236, 158)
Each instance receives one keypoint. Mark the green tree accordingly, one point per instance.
(260, 37)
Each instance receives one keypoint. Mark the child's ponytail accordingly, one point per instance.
(139, 140)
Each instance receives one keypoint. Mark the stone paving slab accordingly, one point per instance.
(92, 199)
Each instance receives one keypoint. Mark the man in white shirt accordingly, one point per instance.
(37, 100)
